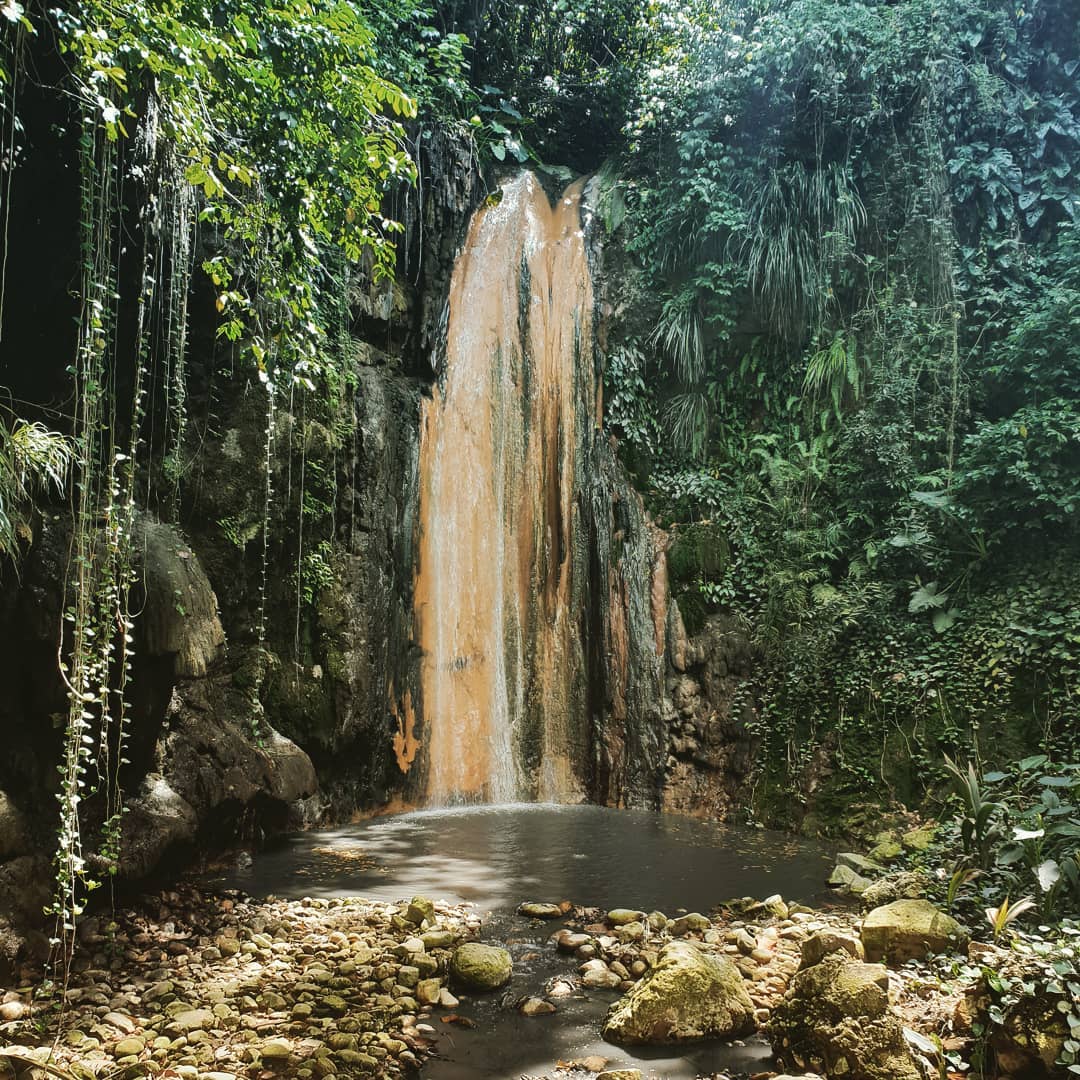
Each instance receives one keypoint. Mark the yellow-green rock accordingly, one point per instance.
(688, 994)
(476, 966)
(835, 1019)
(909, 930)
(918, 839)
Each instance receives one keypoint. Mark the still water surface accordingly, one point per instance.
(498, 856)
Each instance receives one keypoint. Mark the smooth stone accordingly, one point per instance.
(129, 1047)
(600, 978)
(844, 879)
(535, 1006)
(909, 930)
(192, 1020)
(569, 941)
(534, 910)
(437, 939)
(622, 916)
(275, 1050)
(480, 967)
(860, 864)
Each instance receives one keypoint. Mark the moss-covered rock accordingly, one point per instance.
(420, 910)
(835, 1019)
(909, 930)
(918, 839)
(475, 966)
(905, 885)
(886, 848)
(688, 994)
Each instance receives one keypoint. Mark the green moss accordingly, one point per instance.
(693, 609)
(698, 550)
(687, 995)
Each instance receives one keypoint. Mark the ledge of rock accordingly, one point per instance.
(688, 994)
(210, 770)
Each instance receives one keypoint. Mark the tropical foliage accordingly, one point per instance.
(859, 224)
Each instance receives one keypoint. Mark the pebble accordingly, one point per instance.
(129, 1047)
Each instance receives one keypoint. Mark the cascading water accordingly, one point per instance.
(497, 451)
(515, 499)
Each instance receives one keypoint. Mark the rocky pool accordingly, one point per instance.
(495, 857)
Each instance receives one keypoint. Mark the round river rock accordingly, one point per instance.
(475, 966)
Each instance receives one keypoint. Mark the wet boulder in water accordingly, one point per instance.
(535, 910)
(688, 994)
(475, 966)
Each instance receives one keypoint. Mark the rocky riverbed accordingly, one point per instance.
(192, 985)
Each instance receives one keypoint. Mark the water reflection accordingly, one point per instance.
(497, 856)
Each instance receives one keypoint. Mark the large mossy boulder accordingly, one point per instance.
(836, 1020)
(475, 966)
(909, 930)
(688, 994)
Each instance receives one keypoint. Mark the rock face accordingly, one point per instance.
(14, 839)
(710, 750)
(687, 995)
(211, 772)
(836, 1019)
(475, 966)
(194, 767)
(908, 930)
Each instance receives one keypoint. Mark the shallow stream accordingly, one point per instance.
(498, 856)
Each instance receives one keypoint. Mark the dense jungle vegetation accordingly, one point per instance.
(845, 366)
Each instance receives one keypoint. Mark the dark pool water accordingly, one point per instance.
(497, 856)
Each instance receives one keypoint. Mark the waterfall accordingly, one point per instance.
(497, 461)
(516, 639)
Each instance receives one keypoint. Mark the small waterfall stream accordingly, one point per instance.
(502, 657)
